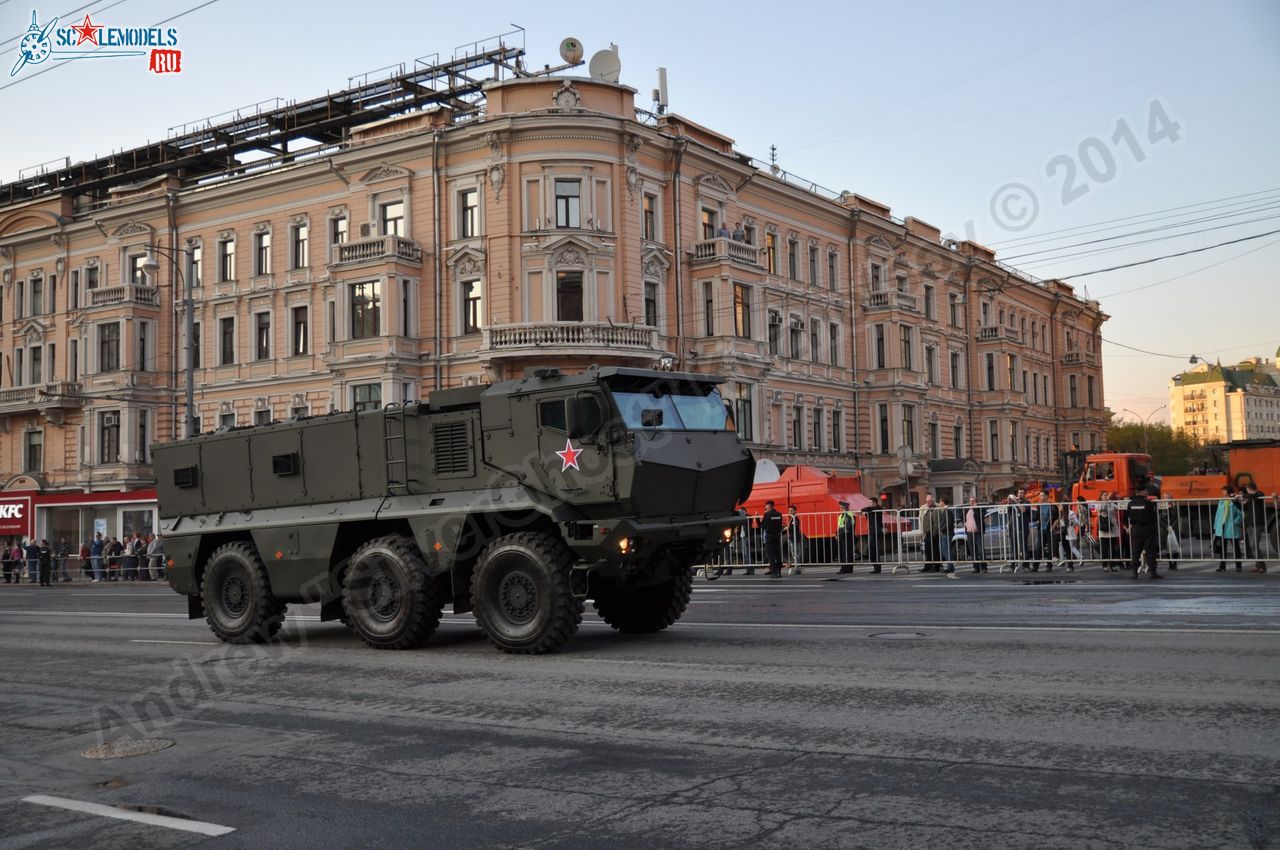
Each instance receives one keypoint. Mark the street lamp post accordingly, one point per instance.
(150, 265)
(1146, 445)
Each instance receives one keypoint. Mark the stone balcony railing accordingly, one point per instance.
(376, 249)
(126, 294)
(908, 302)
(988, 334)
(1079, 358)
(570, 335)
(1011, 334)
(716, 250)
(40, 397)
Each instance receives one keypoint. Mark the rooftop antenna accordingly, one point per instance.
(660, 93)
(773, 159)
(605, 65)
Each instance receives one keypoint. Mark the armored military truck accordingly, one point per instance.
(518, 501)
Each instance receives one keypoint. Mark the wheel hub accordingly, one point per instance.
(518, 596)
(384, 596)
(235, 595)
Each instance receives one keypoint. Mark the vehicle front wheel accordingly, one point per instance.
(387, 597)
(646, 610)
(236, 596)
(521, 596)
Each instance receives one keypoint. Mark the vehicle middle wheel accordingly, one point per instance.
(388, 598)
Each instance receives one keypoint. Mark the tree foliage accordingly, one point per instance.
(1172, 452)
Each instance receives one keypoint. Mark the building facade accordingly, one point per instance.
(434, 247)
(1220, 404)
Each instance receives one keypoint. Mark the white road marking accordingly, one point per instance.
(124, 814)
(90, 613)
(925, 626)
(185, 642)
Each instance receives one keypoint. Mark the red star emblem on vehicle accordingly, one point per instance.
(569, 456)
(88, 31)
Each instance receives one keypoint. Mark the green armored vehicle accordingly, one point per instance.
(517, 501)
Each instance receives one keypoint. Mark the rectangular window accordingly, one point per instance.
(33, 452)
(906, 360)
(366, 309)
(879, 353)
(391, 218)
(1072, 395)
(109, 436)
(195, 345)
(73, 360)
(1035, 389)
(299, 239)
(226, 341)
(468, 213)
(882, 423)
(930, 366)
(569, 296)
(91, 276)
(909, 426)
(651, 304)
(708, 223)
(929, 309)
(935, 440)
(37, 364)
(955, 370)
(144, 348)
(815, 340)
(813, 265)
(793, 259)
(143, 449)
(262, 417)
(195, 271)
(17, 367)
(109, 347)
(19, 300)
(37, 296)
(902, 282)
(837, 431)
(771, 252)
(406, 309)
(742, 310)
(227, 420)
(833, 270)
(877, 277)
(262, 336)
(262, 253)
(957, 441)
(1024, 381)
(775, 332)
(1013, 442)
(833, 344)
(300, 337)
(227, 260)
(366, 397)
(797, 337)
(749, 233)
(74, 293)
(993, 441)
(818, 428)
(953, 310)
(743, 412)
(1089, 386)
(797, 428)
(339, 230)
(137, 276)
(471, 306)
(1012, 366)
(708, 308)
(991, 371)
(649, 214)
(568, 203)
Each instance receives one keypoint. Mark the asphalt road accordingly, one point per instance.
(890, 711)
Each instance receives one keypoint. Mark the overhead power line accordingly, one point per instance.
(1166, 256)
(1075, 255)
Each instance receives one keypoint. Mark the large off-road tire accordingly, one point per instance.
(236, 596)
(388, 599)
(645, 610)
(520, 593)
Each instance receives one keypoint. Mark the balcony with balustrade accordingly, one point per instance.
(553, 341)
(1079, 358)
(129, 293)
(41, 398)
(722, 250)
(375, 249)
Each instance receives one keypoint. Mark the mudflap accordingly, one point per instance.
(580, 580)
(331, 610)
(195, 607)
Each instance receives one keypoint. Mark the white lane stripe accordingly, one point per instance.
(185, 642)
(89, 613)
(923, 626)
(124, 814)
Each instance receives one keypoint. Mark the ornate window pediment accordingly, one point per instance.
(572, 251)
(33, 331)
(654, 264)
(384, 171)
(467, 263)
(132, 228)
(879, 242)
(715, 182)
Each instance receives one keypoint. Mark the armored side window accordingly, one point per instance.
(185, 477)
(285, 464)
(551, 415)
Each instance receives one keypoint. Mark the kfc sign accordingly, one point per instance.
(15, 516)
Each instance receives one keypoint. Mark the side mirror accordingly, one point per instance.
(651, 417)
(584, 416)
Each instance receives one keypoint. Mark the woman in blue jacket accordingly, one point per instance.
(1228, 526)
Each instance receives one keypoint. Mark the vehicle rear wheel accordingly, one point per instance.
(645, 610)
(236, 595)
(387, 597)
(520, 592)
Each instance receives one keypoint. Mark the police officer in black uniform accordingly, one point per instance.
(1144, 531)
(771, 525)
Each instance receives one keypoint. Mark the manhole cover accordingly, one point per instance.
(127, 748)
(897, 635)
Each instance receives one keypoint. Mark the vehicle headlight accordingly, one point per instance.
(728, 534)
(624, 545)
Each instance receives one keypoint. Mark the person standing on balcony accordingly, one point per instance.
(722, 232)
(739, 235)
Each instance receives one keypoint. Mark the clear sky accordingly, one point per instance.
(1007, 122)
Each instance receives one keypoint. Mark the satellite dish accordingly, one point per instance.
(766, 472)
(605, 66)
(571, 50)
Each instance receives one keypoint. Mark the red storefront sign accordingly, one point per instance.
(16, 515)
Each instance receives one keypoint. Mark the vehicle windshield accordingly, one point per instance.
(668, 408)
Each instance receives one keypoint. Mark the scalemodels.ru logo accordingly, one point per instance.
(41, 43)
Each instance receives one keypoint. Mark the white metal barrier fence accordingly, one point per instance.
(1239, 533)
